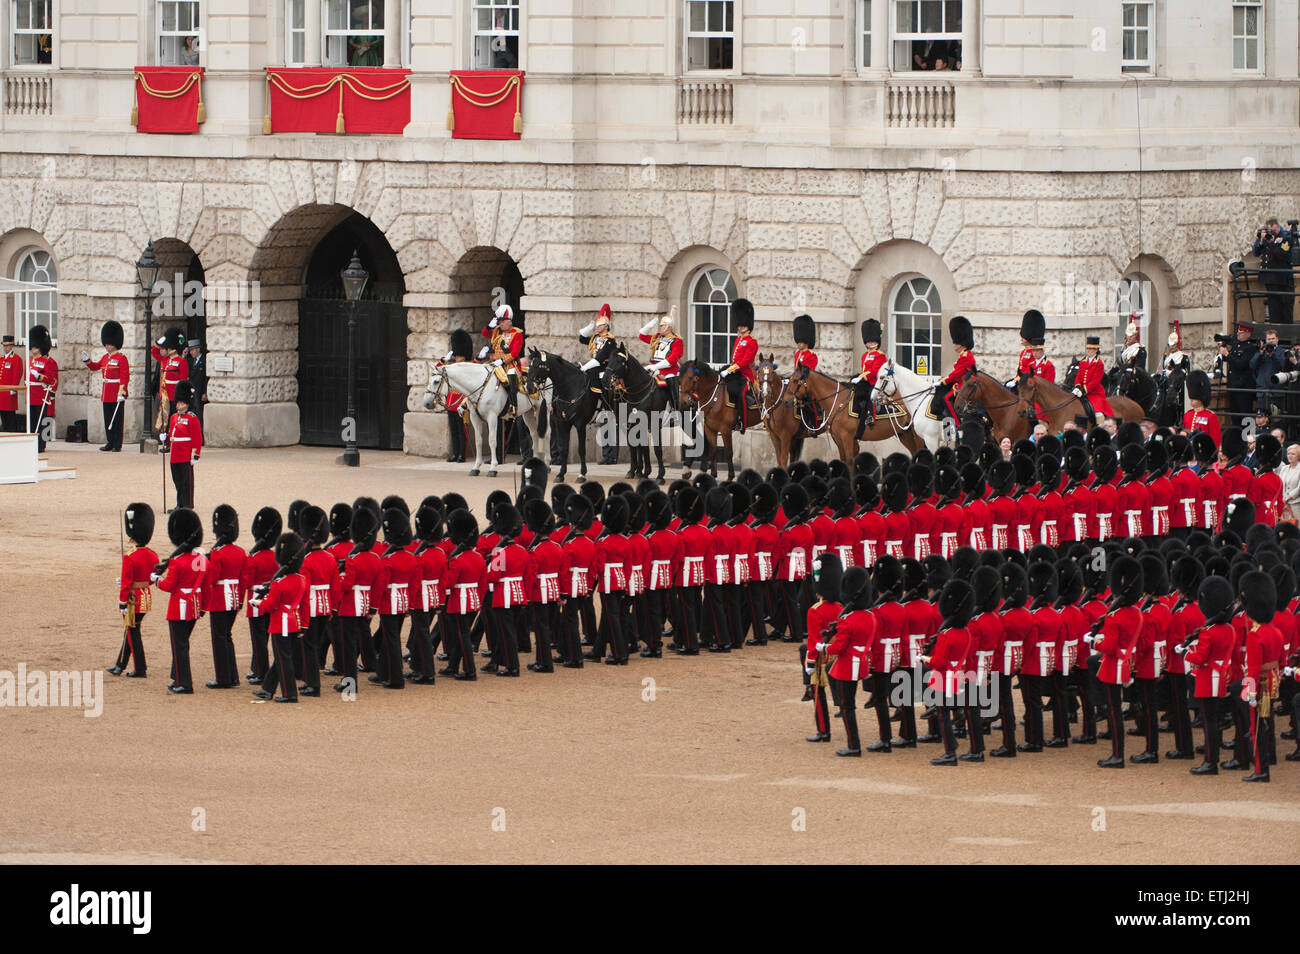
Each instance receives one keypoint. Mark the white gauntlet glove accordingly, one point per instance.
(85, 356)
(493, 322)
(650, 326)
(483, 353)
(593, 363)
(588, 329)
(497, 362)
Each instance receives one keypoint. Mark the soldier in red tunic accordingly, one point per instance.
(1120, 629)
(1266, 487)
(610, 569)
(508, 569)
(873, 359)
(962, 336)
(398, 578)
(1213, 492)
(1209, 656)
(466, 582)
(1039, 661)
(115, 379)
(427, 601)
(1089, 381)
(223, 594)
(1017, 627)
(1151, 654)
(42, 384)
(851, 646)
(766, 556)
(1199, 417)
(183, 442)
(280, 601)
(739, 374)
(181, 575)
(887, 653)
(987, 635)
(1185, 489)
(828, 575)
(1185, 617)
(11, 382)
(134, 598)
(321, 571)
(258, 570)
(946, 659)
(357, 590)
(696, 551)
(796, 543)
(338, 546)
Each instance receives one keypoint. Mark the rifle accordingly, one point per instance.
(261, 589)
(1194, 636)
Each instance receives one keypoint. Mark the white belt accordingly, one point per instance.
(288, 623)
(720, 567)
(1161, 523)
(798, 568)
(914, 641)
(921, 545)
(1010, 655)
(764, 566)
(361, 599)
(891, 653)
(577, 580)
(857, 662)
(868, 552)
(846, 554)
(1000, 536)
(608, 567)
(1211, 513)
(1189, 511)
(179, 439)
(508, 596)
(1134, 517)
(983, 660)
(468, 600)
(818, 550)
(948, 542)
(740, 568)
(1159, 659)
(548, 583)
(1080, 526)
(429, 594)
(977, 540)
(894, 547)
(1103, 525)
(1048, 533)
(231, 598)
(1024, 537)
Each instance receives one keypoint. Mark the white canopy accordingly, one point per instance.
(12, 286)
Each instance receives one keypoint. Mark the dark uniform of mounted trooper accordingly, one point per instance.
(873, 359)
(595, 336)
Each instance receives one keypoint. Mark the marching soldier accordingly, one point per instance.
(987, 636)
(1090, 381)
(134, 597)
(280, 602)
(1151, 654)
(184, 439)
(43, 382)
(947, 659)
(665, 554)
(828, 574)
(739, 375)
(1120, 629)
(1039, 660)
(358, 594)
(338, 546)
(183, 579)
(963, 341)
(666, 349)
(321, 571)
(1017, 629)
(548, 568)
(399, 574)
(223, 594)
(610, 566)
(509, 567)
(1263, 671)
(886, 654)
(258, 571)
(507, 346)
(873, 359)
(851, 647)
(432, 560)
(1209, 651)
(116, 376)
(11, 382)
(1185, 617)
(580, 555)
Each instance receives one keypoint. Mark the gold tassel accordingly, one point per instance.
(135, 101)
(519, 119)
(338, 123)
(201, 114)
(451, 107)
(266, 118)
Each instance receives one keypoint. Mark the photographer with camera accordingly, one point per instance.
(1273, 246)
(1240, 378)
(1272, 366)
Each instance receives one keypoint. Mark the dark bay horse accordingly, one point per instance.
(647, 404)
(1006, 410)
(573, 403)
(1061, 407)
(704, 389)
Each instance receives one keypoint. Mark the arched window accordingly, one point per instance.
(710, 308)
(1131, 299)
(37, 308)
(916, 326)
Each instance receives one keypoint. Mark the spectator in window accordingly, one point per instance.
(190, 52)
(503, 57)
(44, 49)
(1290, 474)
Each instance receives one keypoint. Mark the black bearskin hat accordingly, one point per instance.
(393, 501)
(578, 512)
(138, 521)
(184, 528)
(871, 332)
(267, 526)
(534, 472)
(961, 333)
(112, 335)
(173, 339)
(1198, 387)
(452, 501)
(462, 345)
(1133, 460)
(1077, 464)
(505, 521)
(1033, 327)
(1239, 516)
(289, 551)
(742, 314)
(184, 394)
(866, 463)
(986, 581)
(828, 573)
(428, 522)
(1125, 577)
(920, 481)
(1268, 452)
(1284, 584)
(1040, 581)
(462, 528)
(963, 562)
(397, 527)
(888, 576)
(972, 481)
(1215, 597)
(717, 504)
(1258, 595)
(364, 529)
(1105, 462)
(1014, 585)
(560, 493)
(225, 523)
(38, 339)
(1186, 575)
(894, 492)
(659, 510)
(749, 479)
(1155, 575)
(341, 521)
(766, 502)
(798, 471)
(1233, 444)
(865, 492)
(956, 603)
(805, 331)
(1069, 583)
(778, 477)
(855, 588)
(614, 513)
(295, 512)
(313, 525)
(794, 500)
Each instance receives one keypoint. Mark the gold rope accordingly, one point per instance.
(140, 81)
(485, 100)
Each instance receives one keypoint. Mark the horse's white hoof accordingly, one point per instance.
(474, 472)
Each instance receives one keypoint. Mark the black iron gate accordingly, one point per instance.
(323, 372)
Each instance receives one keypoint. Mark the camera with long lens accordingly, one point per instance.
(1225, 339)
(1284, 377)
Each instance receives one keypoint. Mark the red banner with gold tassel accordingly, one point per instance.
(368, 100)
(486, 104)
(167, 99)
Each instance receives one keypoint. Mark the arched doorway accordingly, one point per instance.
(323, 313)
(178, 299)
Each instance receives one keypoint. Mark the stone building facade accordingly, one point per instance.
(814, 174)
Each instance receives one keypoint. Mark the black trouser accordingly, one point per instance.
(1258, 732)
(1241, 399)
(686, 625)
(456, 433)
(112, 424)
(390, 655)
(180, 630)
(1115, 708)
(258, 635)
(1150, 716)
(790, 594)
(974, 725)
(457, 643)
(713, 626)
(821, 713)
(1060, 714)
(610, 632)
(505, 643)
(132, 645)
(1080, 679)
(280, 672)
(369, 651)
(880, 699)
(1280, 303)
(220, 623)
(756, 600)
(1210, 716)
(1240, 723)
(1007, 712)
(1032, 689)
(183, 478)
(575, 613)
(907, 711)
(656, 605)
(1180, 719)
(945, 727)
(314, 638)
(849, 711)
(421, 643)
(736, 615)
(39, 423)
(351, 628)
(546, 622)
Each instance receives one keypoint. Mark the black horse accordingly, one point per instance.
(647, 406)
(573, 402)
(1161, 395)
(1136, 385)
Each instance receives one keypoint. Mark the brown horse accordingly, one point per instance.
(1060, 407)
(821, 405)
(1007, 411)
(704, 389)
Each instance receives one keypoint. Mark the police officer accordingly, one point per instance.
(1273, 246)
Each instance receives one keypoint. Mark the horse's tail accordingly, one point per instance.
(796, 447)
(541, 417)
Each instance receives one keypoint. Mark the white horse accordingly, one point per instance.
(897, 385)
(486, 399)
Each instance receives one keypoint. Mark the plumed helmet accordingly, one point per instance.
(462, 345)
(766, 502)
(1125, 578)
(1133, 460)
(428, 522)
(313, 525)
(805, 331)
(986, 581)
(1258, 594)
(920, 481)
(184, 394)
(659, 510)
(887, 576)
(866, 463)
(614, 514)
(267, 526)
(1040, 581)
(972, 481)
(394, 502)
(184, 528)
(956, 603)
(1014, 585)
(341, 521)
(535, 472)
(462, 528)
(893, 491)
(963, 562)
(38, 339)
(1239, 516)
(855, 588)
(1284, 584)
(961, 333)
(138, 520)
(397, 527)
(295, 512)
(225, 523)
(778, 477)
(742, 314)
(871, 332)
(505, 520)
(1198, 387)
(749, 479)
(1186, 575)
(828, 572)
(579, 512)
(1033, 327)
(111, 335)
(173, 339)
(865, 492)
(717, 504)
(794, 500)
(289, 551)
(1155, 575)
(504, 312)
(454, 501)
(364, 529)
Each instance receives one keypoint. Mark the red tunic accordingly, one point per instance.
(872, 362)
(1266, 494)
(1119, 638)
(11, 373)
(223, 583)
(397, 582)
(977, 524)
(898, 534)
(184, 438)
(987, 637)
(174, 371)
(580, 556)
(324, 589)
(1159, 517)
(548, 570)
(948, 660)
(1211, 659)
(965, 364)
(1203, 420)
(871, 535)
(134, 583)
(665, 354)
(258, 569)
(696, 551)
(1018, 624)
(1151, 655)
(358, 585)
(891, 632)
(1024, 532)
(466, 583)
(1091, 380)
(1105, 501)
(853, 646)
(820, 615)
(743, 355)
(43, 376)
(767, 551)
(717, 569)
(1182, 622)
(1185, 507)
(281, 604)
(1078, 514)
(1046, 634)
(665, 555)
(922, 621)
(509, 568)
(1003, 514)
(1045, 369)
(922, 518)
(184, 581)
(1213, 496)
(611, 563)
(1051, 508)
(805, 359)
(115, 375)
